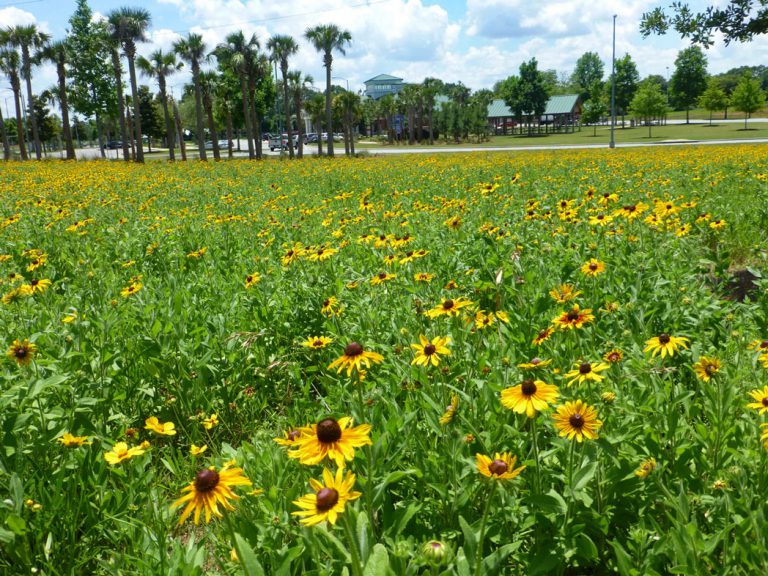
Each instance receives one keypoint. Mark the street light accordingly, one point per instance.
(613, 86)
(340, 78)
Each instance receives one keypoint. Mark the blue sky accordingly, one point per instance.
(474, 41)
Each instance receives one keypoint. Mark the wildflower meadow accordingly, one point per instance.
(534, 363)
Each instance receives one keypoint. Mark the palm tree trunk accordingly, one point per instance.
(177, 120)
(4, 135)
(129, 127)
(319, 137)
(208, 105)
(65, 128)
(248, 124)
(99, 136)
(199, 111)
(328, 111)
(169, 131)
(26, 65)
(16, 86)
(229, 132)
(121, 103)
(299, 125)
(130, 55)
(287, 104)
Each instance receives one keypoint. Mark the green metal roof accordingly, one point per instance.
(561, 104)
(497, 109)
(384, 78)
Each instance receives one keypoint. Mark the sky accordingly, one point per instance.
(477, 42)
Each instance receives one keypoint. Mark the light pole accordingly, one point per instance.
(613, 86)
(340, 78)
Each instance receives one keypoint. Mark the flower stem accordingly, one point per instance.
(479, 551)
(535, 441)
(357, 569)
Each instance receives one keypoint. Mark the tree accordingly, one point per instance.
(4, 136)
(648, 103)
(92, 82)
(28, 38)
(713, 98)
(589, 70)
(315, 107)
(349, 106)
(128, 26)
(58, 53)
(239, 56)
(160, 65)
(739, 20)
(748, 97)
(281, 47)
(627, 78)
(596, 107)
(526, 95)
(326, 38)
(430, 88)
(298, 84)
(152, 124)
(9, 64)
(192, 50)
(209, 82)
(689, 80)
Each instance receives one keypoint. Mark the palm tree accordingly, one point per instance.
(192, 50)
(280, 48)
(430, 88)
(349, 103)
(160, 65)
(326, 38)
(117, 70)
(128, 26)
(315, 107)
(238, 54)
(27, 37)
(4, 136)
(209, 84)
(9, 64)
(297, 84)
(58, 53)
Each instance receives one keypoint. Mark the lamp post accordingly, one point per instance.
(613, 86)
(340, 78)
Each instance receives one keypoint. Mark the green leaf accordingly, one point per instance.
(378, 562)
(470, 538)
(623, 560)
(39, 385)
(17, 524)
(249, 562)
(585, 547)
(391, 478)
(462, 564)
(584, 475)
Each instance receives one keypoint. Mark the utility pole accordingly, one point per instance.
(613, 86)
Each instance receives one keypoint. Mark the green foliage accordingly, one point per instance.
(588, 74)
(714, 98)
(649, 103)
(748, 96)
(526, 94)
(689, 80)
(627, 80)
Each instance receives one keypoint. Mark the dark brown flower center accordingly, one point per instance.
(326, 499)
(572, 315)
(765, 401)
(585, 368)
(630, 208)
(448, 304)
(21, 353)
(593, 266)
(528, 388)
(429, 349)
(206, 480)
(710, 369)
(536, 361)
(293, 435)
(382, 275)
(497, 467)
(763, 345)
(664, 338)
(317, 343)
(353, 349)
(544, 333)
(576, 421)
(328, 431)
(34, 282)
(248, 278)
(326, 303)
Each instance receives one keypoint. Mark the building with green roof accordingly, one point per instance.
(561, 115)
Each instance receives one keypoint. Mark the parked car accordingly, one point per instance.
(310, 138)
(114, 145)
(282, 142)
(266, 136)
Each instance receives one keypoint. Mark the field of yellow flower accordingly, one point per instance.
(541, 363)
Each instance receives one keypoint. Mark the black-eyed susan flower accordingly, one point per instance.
(763, 359)
(646, 467)
(631, 211)
(39, 286)
(291, 255)
(198, 253)
(252, 279)
(354, 357)
(195, 450)
(131, 289)
(502, 467)
(718, 224)
(429, 352)
(69, 440)
(329, 499)
(332, 439)
(209, 489)
(586, 371)
(120, 452)
(573, 318)
(535, 364)
(382, 277)
(543, 335)
(665, 344)
(423, 277)
(448, 307)
(450, 411)
(22, 352)
(531, 397)
(758, 346)
(564, 293)
(320, 254)
(577, 420)
(317, 342)
(613, 356)
(593, 267)
(331, 307)
(760, 398)
(482, 319)
(706, 368)
(17, 294)
(161, 428)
